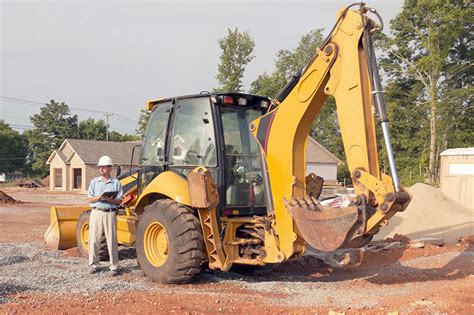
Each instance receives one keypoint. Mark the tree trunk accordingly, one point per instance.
(432, 162)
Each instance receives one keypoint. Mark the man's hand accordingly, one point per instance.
(107, 199)
(94, 199)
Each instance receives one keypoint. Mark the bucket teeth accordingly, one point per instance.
(302, 202)
(311, 204)
(306, 202)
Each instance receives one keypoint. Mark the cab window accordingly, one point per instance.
(153, 149)
(193, 142)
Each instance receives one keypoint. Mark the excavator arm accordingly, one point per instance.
(343, 67)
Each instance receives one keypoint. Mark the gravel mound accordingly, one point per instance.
(430, 214)
(26, 268)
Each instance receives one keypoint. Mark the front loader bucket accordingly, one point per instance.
(325, 228)
(61, 233)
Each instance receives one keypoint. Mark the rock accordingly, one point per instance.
(422, 242)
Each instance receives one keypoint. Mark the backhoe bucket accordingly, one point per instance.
(61, 234)
(325, 228)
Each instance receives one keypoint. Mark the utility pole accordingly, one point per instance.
(107, 115)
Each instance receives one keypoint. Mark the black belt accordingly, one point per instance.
(106, 209)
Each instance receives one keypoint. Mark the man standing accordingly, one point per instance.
(103, 218)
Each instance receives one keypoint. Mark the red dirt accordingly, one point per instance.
(25, 222)
(147, 303)
(6, 199)
(404, 280)
(450, 291)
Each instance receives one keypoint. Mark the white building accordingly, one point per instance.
(457, 175)
(320, 161)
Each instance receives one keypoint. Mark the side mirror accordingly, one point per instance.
(118, 170)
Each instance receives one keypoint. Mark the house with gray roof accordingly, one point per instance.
(73, 164)
(321, 161)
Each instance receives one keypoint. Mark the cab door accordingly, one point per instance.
(193, 140)
(155, 145)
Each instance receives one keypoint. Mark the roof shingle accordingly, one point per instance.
(90, 151)
(316, 153)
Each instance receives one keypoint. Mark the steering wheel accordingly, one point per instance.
(209, 155)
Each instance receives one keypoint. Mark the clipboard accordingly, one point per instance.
(111, 194)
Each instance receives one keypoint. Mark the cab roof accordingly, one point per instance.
(218, 97)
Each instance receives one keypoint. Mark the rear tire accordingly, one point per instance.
(82, 238)
(169, 244)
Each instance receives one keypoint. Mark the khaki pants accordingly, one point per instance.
(103, 222)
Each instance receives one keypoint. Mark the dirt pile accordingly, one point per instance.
(6, 199)
(431, 214)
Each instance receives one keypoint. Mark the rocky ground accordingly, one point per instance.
(399, 279)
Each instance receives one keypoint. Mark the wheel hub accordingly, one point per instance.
(156, 244)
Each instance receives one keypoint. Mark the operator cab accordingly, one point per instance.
(210, 130)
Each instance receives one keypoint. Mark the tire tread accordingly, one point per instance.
(186, 253)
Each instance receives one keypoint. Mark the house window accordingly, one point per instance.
(58, 177)
(77, 178)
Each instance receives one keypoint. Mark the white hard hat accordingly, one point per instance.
(105, 161)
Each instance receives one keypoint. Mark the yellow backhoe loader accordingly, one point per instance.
(222, 178)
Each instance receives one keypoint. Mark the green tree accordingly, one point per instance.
(419, 48)
(127, 137)
(40, 147)
(52, 125)
(409, 129)
(265, 85)
(325, 128)
(287, 63)
(142, 122)
(92, 130)
(237, 51)
(14, 149)
(118, 137)
(457, 116)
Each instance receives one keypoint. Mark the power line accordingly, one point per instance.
(13, 99)
(39, 104)
(14, 126)
(123, 120)
(127, 119)
(11, 116)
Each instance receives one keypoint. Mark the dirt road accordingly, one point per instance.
(404, 280)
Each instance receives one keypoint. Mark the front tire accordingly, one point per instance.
(169, 244)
